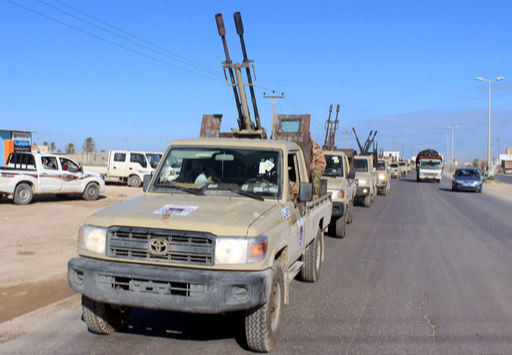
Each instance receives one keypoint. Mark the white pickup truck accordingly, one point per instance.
(26, 175)
(127, 166)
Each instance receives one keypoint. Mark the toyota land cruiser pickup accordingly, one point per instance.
(225, 233)
(342, 187)
(365, 179)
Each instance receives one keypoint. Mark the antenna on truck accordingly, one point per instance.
(246, 128)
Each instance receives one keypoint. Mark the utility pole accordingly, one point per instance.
(403, 151)
(346, 134)
(447, 150)
(452, 127)
(274, 98)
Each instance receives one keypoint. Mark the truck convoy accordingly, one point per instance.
(27, 174)
(227, 232)
(127, 166)
(429, 166)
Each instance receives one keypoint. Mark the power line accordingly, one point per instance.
(112, 42)
(159, 50)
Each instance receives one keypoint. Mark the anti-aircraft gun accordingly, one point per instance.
(365, 148)
(210, 126)
(330, 130)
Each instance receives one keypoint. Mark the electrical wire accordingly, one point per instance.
(112, 42)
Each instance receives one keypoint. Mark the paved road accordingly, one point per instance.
(425, 270)
(504, 178)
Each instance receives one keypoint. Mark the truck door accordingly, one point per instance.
(117, 165)
(72, 177)
(295, 209)
(138, 164)
(50, 178)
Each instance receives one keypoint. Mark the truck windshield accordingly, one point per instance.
(381, 165)
(334, 165)
(361, 164)
(430, 164)
(220, 170)
(154, 159)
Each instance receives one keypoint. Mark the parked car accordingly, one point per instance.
(26, 175)
(467, 179)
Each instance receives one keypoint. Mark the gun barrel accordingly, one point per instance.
(240, 30)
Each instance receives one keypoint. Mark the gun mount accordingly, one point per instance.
(365, 148)
(330, 130)
(246, 127)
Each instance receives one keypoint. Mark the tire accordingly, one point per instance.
(102, 318)
(385, 191)
(338, 227)
(313, 259)
(134, 181)
(23, 194)
(262, 325)
(453, 188)
(350, 211)
(367, 201)
(91, 192)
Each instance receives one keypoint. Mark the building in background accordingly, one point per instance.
(13, 141)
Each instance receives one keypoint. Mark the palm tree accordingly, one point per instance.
(70, 148)
(89, 146)
(52, 147)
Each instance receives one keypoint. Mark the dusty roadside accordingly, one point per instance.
(36, 242)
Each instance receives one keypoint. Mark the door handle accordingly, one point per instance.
(129, 168)
(114, 167)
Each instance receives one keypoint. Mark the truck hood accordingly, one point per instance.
(333, 183)
(219, 215)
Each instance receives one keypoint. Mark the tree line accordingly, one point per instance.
(88, 146)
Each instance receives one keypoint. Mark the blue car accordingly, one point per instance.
(467, 179)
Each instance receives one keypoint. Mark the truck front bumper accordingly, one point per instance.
(363, 191)
(167, 287)
(382, 184)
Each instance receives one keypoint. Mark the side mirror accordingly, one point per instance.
(351, 174)
(305, 192)
(145, 182)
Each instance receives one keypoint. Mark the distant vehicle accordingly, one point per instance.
(127, 166)
(342, 187)
(429, 166)
(467, 179)
(26, 175)
(394, 170)
(365, 179)
(383, 176)
(403, 168)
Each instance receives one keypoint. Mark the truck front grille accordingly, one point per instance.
(130, 284)
(160, 245)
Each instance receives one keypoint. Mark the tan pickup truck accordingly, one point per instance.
(383, 177)
(341, 184)
(224, 233)
(366, 179)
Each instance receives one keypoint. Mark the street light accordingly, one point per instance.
(479, 78)
(452, 127)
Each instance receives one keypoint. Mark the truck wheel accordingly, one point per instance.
(262, 325)
(23, 194)
(367, 202)
(313, 259)
(350, 210)
(102, 318)
(337, 227)
(134, 181)
(385, 190)
(91, 192)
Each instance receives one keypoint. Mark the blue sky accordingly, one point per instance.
(405, 68)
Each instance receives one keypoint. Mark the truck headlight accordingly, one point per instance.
(92, 238)
(240, 250)
(362, 182)
(337, 194)
(382, 177)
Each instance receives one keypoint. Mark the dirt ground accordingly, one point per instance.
(36, 242)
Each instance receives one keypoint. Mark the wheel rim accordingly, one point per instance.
(92, 191)
(275, 306)
(23, 194)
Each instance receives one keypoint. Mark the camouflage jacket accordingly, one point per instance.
(318, 161)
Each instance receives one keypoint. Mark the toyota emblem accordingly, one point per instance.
(158, 247)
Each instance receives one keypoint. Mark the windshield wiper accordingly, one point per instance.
(244, 193)
(187, 189)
